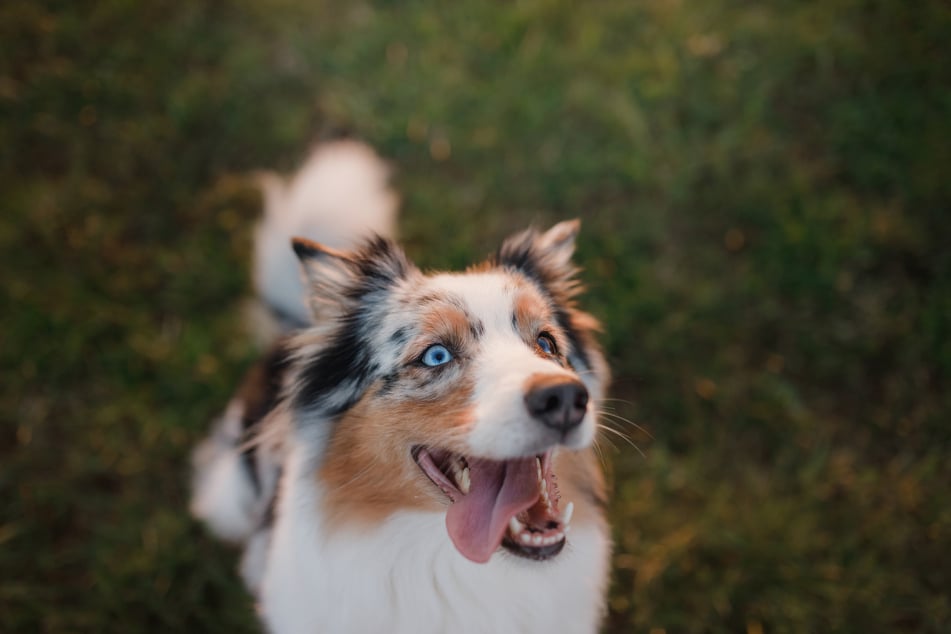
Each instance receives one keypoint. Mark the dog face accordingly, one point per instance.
(458, 388)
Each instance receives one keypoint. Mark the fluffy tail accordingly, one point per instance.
(338, 197)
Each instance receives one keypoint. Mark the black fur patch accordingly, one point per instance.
(521, 256)
(577, 348)
(378, 264)
(400, 336)
(476, 327)
(345, 360)
(389, 382)
(259, 393)
(304, 250)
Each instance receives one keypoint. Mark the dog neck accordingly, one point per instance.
(404, 575)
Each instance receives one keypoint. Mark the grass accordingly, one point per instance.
(764, 194)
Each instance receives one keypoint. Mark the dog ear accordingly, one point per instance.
(559, 241)
(345, 290)
(545, 258)
(339, 281)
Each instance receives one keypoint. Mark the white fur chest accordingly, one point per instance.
(405, 576)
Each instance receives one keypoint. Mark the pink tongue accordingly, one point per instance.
(498, 491)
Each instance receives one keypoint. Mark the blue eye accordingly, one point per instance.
(436, 355)
(546, 343)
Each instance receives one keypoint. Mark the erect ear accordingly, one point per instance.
(545, 257)
(339, 281)
(559, 241)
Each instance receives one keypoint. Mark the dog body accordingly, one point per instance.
(420, 453)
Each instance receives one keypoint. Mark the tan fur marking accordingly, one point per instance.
(531, 311)
(369, 473)
(481, 267)
(449, 323)
(539, 381)
(580, 480)
(533, 315)
(318, 247)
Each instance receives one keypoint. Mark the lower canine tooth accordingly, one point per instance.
(566, 515)
(515, 526)
(465, 482)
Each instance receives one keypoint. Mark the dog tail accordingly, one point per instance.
(340, 196)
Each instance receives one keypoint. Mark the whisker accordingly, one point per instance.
(625, 438)
(616, 432)
(617, 418)
(609, 440)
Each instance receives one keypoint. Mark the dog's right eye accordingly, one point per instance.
(436, 355)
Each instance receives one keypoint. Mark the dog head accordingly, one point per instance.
(458, 388)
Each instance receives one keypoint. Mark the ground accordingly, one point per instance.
(764, 193)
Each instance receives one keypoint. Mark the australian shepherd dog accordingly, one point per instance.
(414, 453)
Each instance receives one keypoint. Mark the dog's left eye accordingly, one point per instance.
(546, 343)
(436, 355)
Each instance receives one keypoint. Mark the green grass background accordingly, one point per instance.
(764, 188)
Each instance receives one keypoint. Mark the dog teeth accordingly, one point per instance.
(543, 494)
(543, 485)
(530, 537)
(567, 513)
(536, 539)
(460, 474)
(520, 533)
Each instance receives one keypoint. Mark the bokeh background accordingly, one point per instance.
(764, 188)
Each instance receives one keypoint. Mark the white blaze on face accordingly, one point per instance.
(502, 365)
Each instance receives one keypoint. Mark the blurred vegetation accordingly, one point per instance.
(765, 193)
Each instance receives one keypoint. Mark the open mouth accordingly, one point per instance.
(509, 503)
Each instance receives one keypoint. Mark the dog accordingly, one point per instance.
(414, 453)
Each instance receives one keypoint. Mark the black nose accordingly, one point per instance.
(560, 404)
